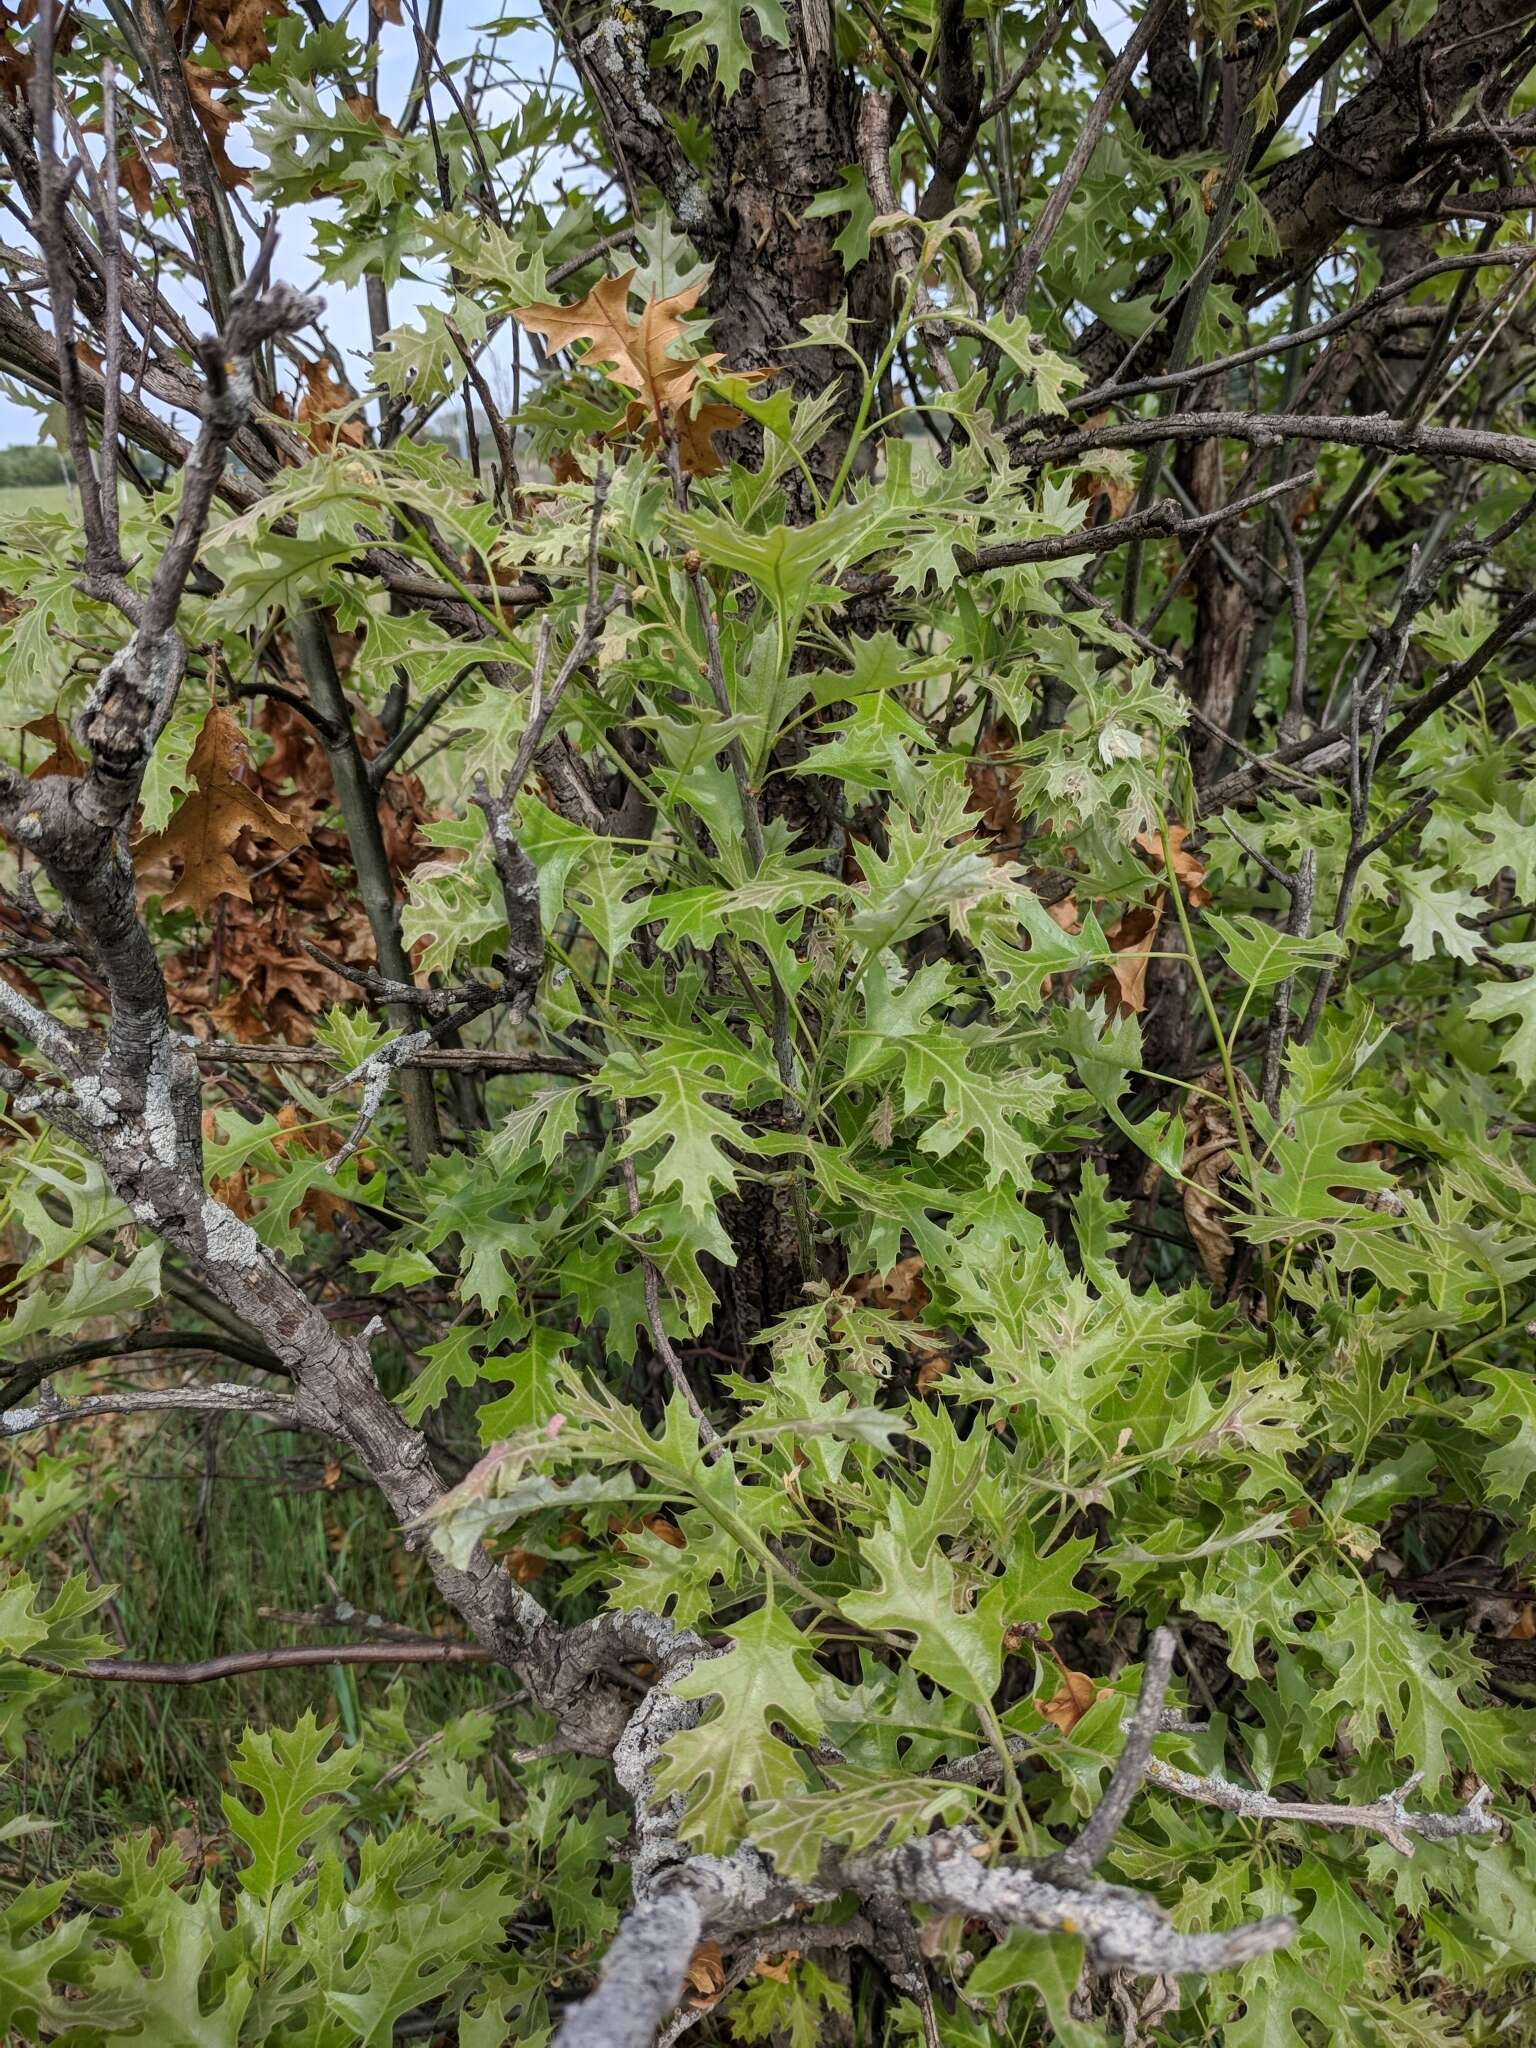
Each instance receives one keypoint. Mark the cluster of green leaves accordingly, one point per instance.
(350, 1885)
(1097, 1443)
(375, 1878)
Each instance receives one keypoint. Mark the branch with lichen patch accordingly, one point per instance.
(219, 1399)
(681, 1899)
(1390, 1817)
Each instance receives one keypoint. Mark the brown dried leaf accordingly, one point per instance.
(1209, 1143)
(901, 1290)
(696, 431)
(322, 396)
(705, 1975)
(603, 320)
(1117, 492)
(1188, 870)
(1133, 937)
(15, 71)
(133, 175)
(236, 28)
(206, 828)
(61, 758)
(234, 1191)
(367, 109)
(1073, 1696)
(993, 778)
(215, 118)
(388, 11)
(636, 354)
(777, 1967)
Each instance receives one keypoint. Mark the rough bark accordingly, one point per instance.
(774, 144)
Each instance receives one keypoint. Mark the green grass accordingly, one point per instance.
(22, 498)
(194, 1559)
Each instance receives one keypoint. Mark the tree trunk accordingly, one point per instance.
(775, 143)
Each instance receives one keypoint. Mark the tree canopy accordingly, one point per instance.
(769, 882)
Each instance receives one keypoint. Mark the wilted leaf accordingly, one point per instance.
(1209, 1143)
(1188, 870)
(236, 28)
(1074, 1695)
(993, 778)
(634, 352)
(133, 176)
(705, 1975)
(321, 397)
(696, 429)
(367, 109)
(205, 831)
(61, 758)
(1133, 938)
(215, 118)
(901, 1289)
(637, 354)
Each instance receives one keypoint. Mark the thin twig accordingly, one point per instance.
(290, 1657)
(1077, 1862)
(1388, 1816)
(1027, 263)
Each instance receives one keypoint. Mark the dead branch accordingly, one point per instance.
(1390, 1817)
(219, 1399)
(287, 1657)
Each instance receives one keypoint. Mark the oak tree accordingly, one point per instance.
(769, 829)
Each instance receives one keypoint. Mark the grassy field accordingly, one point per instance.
(199, 1530)
(34, 498)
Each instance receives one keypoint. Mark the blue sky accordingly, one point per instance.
(345, 319)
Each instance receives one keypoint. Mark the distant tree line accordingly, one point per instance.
(33, 466)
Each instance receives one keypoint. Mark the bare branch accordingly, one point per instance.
(1389, 1816)
(480, 1059)
(1120, 1929)
(375, 1073)
(1083, 1857)
(643, 1976)
(1165, 517)
(1269, 430)
(1026, 265)
(218, 1399)
(289, 1657)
